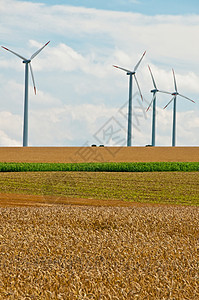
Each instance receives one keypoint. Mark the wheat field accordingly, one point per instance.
(73, 252)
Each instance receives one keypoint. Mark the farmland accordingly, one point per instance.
(144, 187)
(102, 167)
(77, 252)
(98, 154)
(85, 231)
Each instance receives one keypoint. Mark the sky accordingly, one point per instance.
(81, 98)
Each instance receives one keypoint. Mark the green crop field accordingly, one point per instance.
(101, 167)
(152, 187)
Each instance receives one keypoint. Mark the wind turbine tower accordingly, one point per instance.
(131, 74)
(174, 99)
(27, 63)
(154, 91)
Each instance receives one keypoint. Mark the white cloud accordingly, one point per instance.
(10, 129)
(5, 140)
(66, 124)
(78, 89)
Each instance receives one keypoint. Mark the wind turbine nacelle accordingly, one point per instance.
(130, 73)
(174, 94)
(26, 61)
(154, 91)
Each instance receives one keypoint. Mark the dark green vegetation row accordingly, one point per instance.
(101, 167)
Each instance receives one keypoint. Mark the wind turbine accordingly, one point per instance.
(175, 94)
(154, 91)
(131, 74)
(27, 63)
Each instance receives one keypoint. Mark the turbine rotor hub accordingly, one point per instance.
(130, 73)
(26, 61)
(154, 91)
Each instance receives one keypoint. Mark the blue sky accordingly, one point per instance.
(80, 95)
(148, 7)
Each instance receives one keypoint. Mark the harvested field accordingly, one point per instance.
(64, 187)
(69, 252)
(86, 235)
(98, 154)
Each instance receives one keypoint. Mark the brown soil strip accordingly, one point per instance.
(39, 200)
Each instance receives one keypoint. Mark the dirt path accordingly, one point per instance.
(38, 200)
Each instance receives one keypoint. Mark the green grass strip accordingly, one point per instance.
(101, 167)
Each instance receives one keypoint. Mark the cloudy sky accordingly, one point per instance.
(81, 99)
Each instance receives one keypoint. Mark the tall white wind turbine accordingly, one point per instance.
(27, 63)
(153, 101)
(175, 94)
(131, 74)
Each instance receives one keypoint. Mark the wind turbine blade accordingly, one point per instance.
(165, 92)
(38, 51)
(138, 87)
(33, 80)
(153, 79)
(139, 61)
(169, 102)
(128, 71)
(187, 98)
(174, 81)
(151, 101)
(14, 53)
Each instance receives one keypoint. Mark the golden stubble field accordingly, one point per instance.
(67, 252)
(98, 154)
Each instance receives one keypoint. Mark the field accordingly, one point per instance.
(126, 187)
(99, 235)
(98, 154)
(77, 252)
(101, 167)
